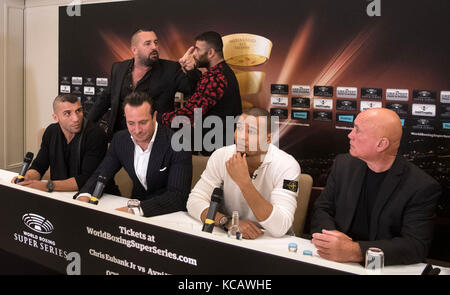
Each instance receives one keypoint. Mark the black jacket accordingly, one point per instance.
(169, 173)
(166, 78)
(402, 219)
(86, 151)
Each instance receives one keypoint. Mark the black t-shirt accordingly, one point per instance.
(359, 230)
(64, 159)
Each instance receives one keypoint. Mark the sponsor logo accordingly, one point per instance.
(102, 82)
(346, 92)
(65, 80)
(281, 113)
(38, 223)
(326, 91)
(445, 96)
(365, 105)
(301, 102)
(64, 88)
(77, 81)
(445, 111)
(300, 115)
(322, 116)
(323, 104)
(428, 110)
(424, 125)
(301, 90)
(279, 88)
(89, 81)
(281, 101)
(397, 94)
(89, 90)
(424, 96)
(346, 118)
(76, 89)
(38, 238)
(346, 105)
(371, 93)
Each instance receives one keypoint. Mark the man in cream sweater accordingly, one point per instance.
(259, 181)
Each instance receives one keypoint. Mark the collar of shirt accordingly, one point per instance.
(213, 70)
(129, 75)
(268, 156)
(142, 157)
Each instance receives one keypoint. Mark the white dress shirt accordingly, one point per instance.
(141, 159)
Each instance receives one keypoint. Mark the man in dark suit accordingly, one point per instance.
(161, 177)
(375, 198)
(145, 72)
(72, 148)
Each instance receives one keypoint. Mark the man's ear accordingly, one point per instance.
(383, 144)
(55, 118)
(133, 50)
(211, 53)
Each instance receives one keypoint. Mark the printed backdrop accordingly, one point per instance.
(314, 63)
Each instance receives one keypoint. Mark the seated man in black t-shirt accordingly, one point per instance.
(375, 198)
(72, 149)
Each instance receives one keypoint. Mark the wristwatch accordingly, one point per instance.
(134, 206)
(223, 221)
(50, 186)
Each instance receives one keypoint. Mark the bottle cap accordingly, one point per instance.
(292, 247)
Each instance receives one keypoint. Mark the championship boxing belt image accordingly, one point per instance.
(249, 82)
(246, 50)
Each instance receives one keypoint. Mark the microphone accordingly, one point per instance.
(429, 270)
(216, 199)
(26, 164)
(98, 191)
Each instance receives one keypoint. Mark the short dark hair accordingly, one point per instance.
(66, 97)
(260, 112)
(137, 98)
(213, 39)
(140, 31)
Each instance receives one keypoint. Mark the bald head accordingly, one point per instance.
(375, 138)
(384, 123)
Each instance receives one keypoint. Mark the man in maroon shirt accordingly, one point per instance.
(217, 92)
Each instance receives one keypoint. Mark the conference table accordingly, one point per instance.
(73, 237)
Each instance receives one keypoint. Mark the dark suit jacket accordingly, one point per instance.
(169, 173)
(166, 78)
(85, 156)
(402, 219)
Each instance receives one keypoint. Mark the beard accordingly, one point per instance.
(202, 61)
(150, 59)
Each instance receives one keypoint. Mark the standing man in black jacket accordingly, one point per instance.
(375, 198)
(145, 72)
(161, 177)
